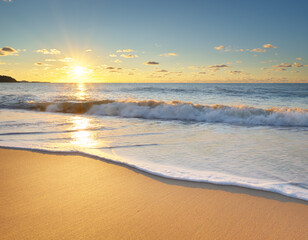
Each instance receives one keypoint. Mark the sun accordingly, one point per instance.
(79, 70)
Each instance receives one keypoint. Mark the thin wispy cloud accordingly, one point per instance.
(283, 65)
(169, 54)
(235, 72)
(67, 59)
(193, 67)
(258, 50)
(151, 63)
(49, 52)
(218, 66)
(125, 50)
(41, 64)
(269, 46)
(219, 47)
(269, 61)
(223, 48)
(129, 56)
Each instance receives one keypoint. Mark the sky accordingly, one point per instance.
(154, 41)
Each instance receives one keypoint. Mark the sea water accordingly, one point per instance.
(250, 135)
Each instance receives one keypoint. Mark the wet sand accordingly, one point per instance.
(49, 196)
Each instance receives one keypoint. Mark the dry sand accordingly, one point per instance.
(45, 196)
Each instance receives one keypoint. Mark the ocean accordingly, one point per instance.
(249, 135)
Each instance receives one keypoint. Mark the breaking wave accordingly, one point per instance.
(183, 111)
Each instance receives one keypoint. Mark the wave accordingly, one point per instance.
(183, 111)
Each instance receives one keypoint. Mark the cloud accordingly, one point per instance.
(297, 65)
(162, 71)
(283, 65)
(269, 46)
(238, 62)
(7, 0)
(201, 72)
(219, 66)
(299, 59)
(117, 61)
(89, 50)
(258, 50)
(193, 67)
(129, 56)
(219, 47)
(269, 61)
(151, 63)
(125, 50)
(6, 51)
(50, 60)
(110, 68)
(67, 59)
(50, 51)
(223, 48)
(112, 55)
(41, 64)
(235, 72)
(169, 54)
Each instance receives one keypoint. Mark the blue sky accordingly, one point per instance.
(189, 30)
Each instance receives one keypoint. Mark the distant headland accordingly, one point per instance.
(8, 79)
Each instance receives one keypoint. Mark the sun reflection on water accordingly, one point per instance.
(83, 137)
(81, 92)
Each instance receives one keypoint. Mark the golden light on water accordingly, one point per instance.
(85, 136)
(81, 93)
(82, 137)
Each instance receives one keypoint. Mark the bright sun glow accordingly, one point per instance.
(79, 70)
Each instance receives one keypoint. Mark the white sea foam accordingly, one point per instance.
(183, 111)
(177, 173)
(201, 113)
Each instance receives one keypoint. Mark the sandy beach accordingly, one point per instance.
(49, 196)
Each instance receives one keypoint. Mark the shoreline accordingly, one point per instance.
(162, 178)
(65, 196)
